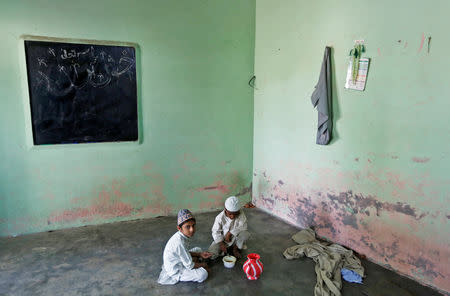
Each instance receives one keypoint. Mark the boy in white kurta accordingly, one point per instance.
(178, 263)
(229, 230)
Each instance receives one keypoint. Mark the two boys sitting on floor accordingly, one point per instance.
(229, 233)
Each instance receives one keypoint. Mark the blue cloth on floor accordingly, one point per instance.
(351, 276)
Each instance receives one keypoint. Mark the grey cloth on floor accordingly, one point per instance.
(329, 261)
(321, 98)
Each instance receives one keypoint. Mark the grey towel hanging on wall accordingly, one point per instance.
(321, 98)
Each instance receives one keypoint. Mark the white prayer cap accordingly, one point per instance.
(232, 204)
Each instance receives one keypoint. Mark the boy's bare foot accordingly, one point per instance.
(236, 252)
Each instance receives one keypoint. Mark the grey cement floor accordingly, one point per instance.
(125, 259)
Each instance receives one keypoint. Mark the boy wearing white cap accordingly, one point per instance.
(178, 264)
(229, 230)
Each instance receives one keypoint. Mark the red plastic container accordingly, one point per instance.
(253, 267)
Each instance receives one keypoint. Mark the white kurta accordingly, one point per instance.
(223, 224)
(177, 262)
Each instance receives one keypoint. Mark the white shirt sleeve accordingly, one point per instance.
(217, 231)
(240, 224)
(185, 257)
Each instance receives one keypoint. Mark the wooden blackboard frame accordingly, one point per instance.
(26, 94)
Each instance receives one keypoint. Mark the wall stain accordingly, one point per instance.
(422, 41)
(115, 200)
(269, 201)
(386, 251)
(424, 267)
(366, 240)
(305, 212)
(391, 232)
(327, 225)
(277, 197)
(420, 159)
(350, 220)
(218, 186)
(245, 190)
(360, 203)
(210, 188)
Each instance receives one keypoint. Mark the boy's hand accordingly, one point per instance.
(223, 247)
(228, 237)
(205, 255)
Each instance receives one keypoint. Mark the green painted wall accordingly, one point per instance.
(382, 186)
(197, 114)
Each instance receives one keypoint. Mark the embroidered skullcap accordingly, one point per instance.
(183, 216)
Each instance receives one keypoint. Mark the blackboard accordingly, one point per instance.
(81, 93)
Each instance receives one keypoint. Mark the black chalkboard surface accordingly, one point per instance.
(81, 93)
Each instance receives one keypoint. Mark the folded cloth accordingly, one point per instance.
(351, 276)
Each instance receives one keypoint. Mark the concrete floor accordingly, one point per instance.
(125, 259)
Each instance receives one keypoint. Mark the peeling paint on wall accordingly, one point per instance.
(143, 195)
(388, 232)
